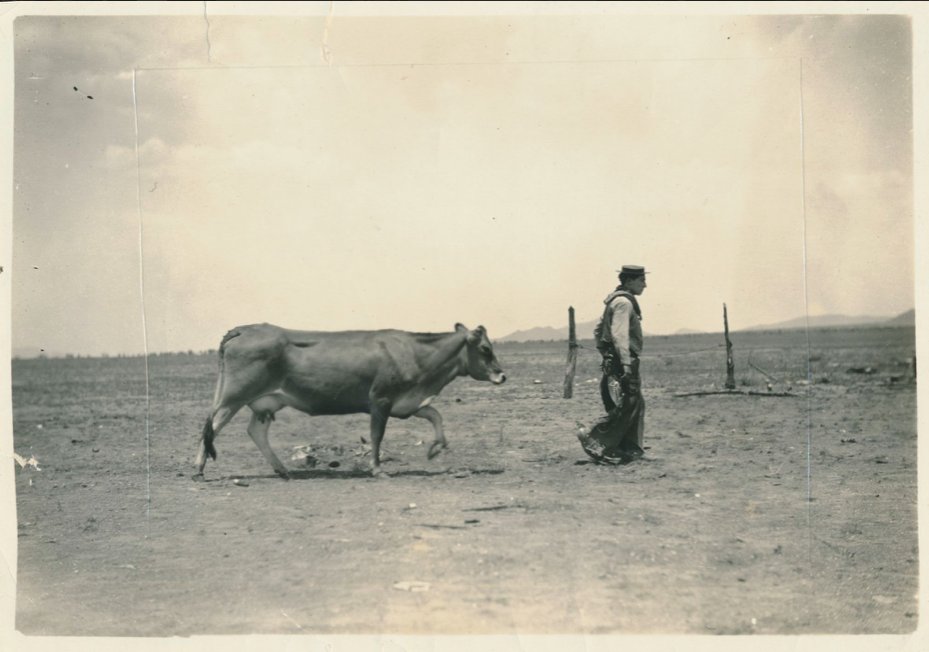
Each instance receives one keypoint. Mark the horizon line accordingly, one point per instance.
(60, 355)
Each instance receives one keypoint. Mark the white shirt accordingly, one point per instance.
(626, 330)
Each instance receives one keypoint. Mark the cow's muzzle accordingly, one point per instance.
(498, 379)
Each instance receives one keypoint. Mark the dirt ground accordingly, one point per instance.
(748, 515)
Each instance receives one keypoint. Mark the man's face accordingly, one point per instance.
(636, 285)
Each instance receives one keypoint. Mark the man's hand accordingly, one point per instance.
(629, 382)
(610, 365)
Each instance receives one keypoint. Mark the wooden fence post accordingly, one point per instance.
(730, 365)
(572, 356)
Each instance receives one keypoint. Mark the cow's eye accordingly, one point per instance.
(485, 350)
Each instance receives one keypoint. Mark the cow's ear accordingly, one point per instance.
(459, 327)
(476, 335)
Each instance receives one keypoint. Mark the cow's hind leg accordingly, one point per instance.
(380, 412)
(258, 431)
(432, 415)
(214, 423)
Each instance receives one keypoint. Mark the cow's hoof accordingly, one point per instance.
(283, 475)
(436, 448)
(197, 477)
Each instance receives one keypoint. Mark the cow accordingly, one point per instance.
(384, 373)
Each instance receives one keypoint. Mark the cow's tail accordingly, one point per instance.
(208, 435)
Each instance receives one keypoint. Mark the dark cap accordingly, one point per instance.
(632, 270)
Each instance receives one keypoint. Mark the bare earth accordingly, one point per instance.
(749, 514)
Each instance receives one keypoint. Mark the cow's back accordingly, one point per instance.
(329, 372)
(321, 372)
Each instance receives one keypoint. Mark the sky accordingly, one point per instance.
(175, 176)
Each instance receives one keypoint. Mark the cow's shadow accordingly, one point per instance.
(353, 474)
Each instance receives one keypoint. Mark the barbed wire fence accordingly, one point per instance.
(730, 386)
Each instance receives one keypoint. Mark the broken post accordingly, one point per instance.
(572, 356)
(730, 365)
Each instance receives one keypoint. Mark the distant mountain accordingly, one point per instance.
(907, 318)
(585, 329)
(821, 321)
(688, 331)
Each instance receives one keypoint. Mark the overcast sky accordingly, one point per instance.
(412, 172)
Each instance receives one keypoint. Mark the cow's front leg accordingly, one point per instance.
(380, 411)
(432, 415)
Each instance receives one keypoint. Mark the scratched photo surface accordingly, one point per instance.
(463, 180)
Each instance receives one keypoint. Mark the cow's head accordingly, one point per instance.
(482, 363)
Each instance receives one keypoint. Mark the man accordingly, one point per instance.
(618, 437)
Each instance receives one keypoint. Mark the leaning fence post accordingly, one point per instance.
(572, 356)
(730, 365)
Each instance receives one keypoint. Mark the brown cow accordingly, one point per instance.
(385, 373)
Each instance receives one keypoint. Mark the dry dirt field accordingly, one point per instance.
(748, 515)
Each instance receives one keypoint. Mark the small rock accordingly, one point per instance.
(239, 483)
(412, 586)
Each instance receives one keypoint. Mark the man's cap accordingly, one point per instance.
(632, 270)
